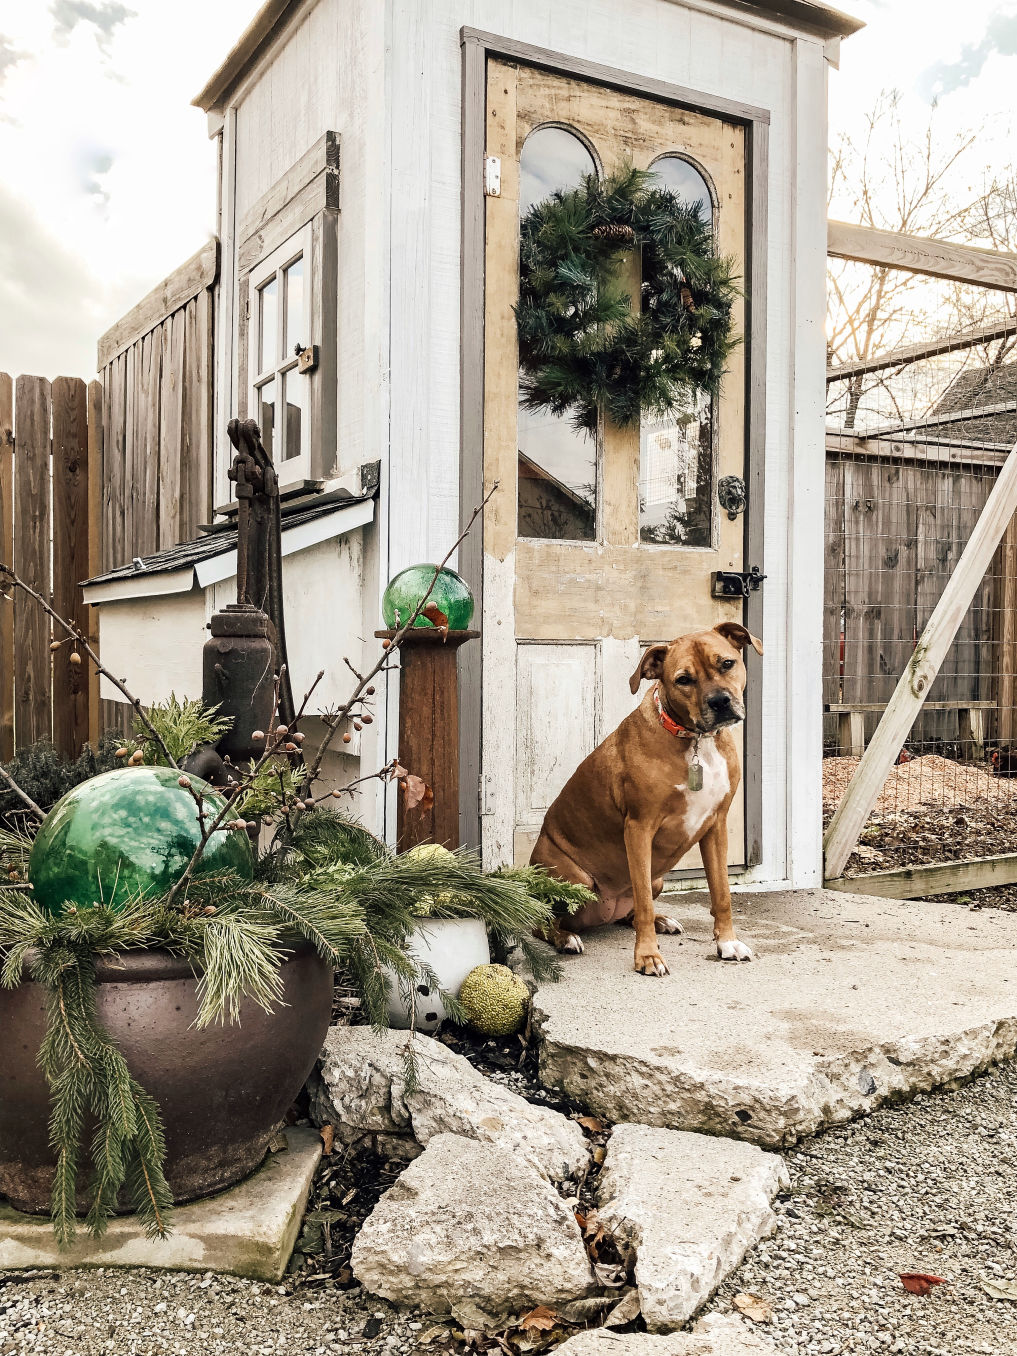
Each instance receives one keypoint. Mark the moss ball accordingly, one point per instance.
(495, 1000)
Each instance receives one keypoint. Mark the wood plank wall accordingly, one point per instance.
(47, 461)
(157, 422)
(894, 533)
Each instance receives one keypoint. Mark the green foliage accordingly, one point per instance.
(45, 774)
(182, 726)
(270, 784)
(582, 349)
(332, 856)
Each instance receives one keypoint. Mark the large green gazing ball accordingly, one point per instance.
(127, 833)
(451, 593)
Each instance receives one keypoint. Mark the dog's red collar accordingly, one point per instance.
(668, 722)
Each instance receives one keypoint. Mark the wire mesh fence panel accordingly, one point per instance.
(921, 415)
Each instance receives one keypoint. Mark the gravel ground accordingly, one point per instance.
(148, 1313)
(925, 1187)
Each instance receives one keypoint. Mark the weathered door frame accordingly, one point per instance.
(477, 46)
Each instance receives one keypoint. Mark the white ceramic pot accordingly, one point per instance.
(452, 947)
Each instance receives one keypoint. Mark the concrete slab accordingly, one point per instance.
(851, 1001)
(690, 1207)
(249, 1230)
(725, 1336)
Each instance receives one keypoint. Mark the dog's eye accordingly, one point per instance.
(685, 680)
(726, 664)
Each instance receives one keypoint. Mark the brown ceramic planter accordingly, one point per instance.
(223, 1091)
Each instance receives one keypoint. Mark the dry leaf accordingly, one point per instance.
(327, 1133)
(599, 1154)
(435, 616)
(625, 1311)
(614, 1277)
(417, 792)
(754, 1307)
(590, 1123)
(919, 1282)
(1005, 1290)
(579, 1311)
(540, 1319)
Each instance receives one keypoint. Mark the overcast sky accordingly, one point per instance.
(107, 177)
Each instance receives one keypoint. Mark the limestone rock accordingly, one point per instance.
(847, 1004)
(691, 1206)
(472, 1231)
(360, 1088)
(725, 1337)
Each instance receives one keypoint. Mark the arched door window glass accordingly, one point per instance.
(685, 182)
(676, 461)
(557, 464)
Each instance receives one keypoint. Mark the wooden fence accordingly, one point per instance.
(156, 367)
(50, 482)
(897, 520)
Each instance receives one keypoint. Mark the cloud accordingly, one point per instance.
(9, 56)
(106, 16)
(1000, 39)
(50, 306)
(92, 164)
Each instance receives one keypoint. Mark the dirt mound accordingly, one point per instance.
(929, 781)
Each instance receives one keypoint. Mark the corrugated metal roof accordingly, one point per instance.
(218, 543)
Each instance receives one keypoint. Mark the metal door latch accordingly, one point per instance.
(732, 584)
(492, 176)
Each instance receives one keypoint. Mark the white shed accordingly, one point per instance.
(373, 161)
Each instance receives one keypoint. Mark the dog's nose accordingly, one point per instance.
(719, 702)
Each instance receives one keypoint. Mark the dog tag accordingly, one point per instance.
(696, 776)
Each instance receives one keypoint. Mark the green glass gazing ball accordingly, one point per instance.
(451, 593)
(127, 833)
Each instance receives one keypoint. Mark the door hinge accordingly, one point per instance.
(492, 176)
(734, 583)
(486, 793)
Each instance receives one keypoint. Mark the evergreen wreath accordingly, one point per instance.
(582, 346)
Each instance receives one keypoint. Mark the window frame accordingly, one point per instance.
(299, 245)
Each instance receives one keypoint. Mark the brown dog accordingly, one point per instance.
(662, 782)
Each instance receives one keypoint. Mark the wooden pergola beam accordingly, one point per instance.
(928, 348)
(936, 258)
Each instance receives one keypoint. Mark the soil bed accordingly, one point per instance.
(932, 810)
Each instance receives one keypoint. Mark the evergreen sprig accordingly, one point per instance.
(583, 349)
(182, 726)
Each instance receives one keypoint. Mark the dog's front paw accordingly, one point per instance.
(733, 951)
(664, 923)
(649, 961)
(570, 944)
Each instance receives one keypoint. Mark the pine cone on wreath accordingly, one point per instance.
(615, 233)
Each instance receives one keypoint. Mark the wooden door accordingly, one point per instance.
(593, 546)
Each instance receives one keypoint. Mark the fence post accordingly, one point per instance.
(95, 468)
(32, 559)
(6, 555)
(70, 559)
(921, 669)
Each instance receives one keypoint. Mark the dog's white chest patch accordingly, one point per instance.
(703, 803)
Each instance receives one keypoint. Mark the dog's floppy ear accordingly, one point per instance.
(650, 666)
(738, 636)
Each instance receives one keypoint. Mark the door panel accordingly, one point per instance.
(611, 568)
(556, 727)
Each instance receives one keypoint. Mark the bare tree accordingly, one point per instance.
(893, 181)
